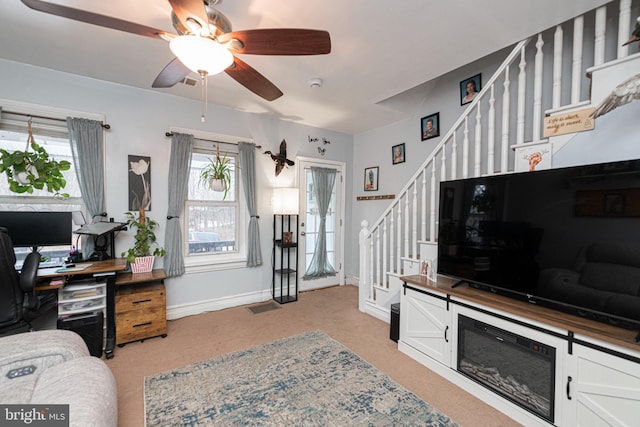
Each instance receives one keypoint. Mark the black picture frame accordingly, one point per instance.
(434, 131)
(139, 182)
(397, 154)
(371, 178)
(477, 83)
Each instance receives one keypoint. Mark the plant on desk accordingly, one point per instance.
(141, 256)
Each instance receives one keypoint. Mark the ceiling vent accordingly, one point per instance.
(188, 81)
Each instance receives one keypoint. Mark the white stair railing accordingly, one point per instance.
(485, 130)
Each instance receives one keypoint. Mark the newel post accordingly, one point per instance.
(363, 286)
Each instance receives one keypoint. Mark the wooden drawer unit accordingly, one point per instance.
(141, 312)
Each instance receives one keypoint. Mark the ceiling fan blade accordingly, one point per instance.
(280, 41)
(189, 11)
(248, 77)
(171, 74)
(96, 19)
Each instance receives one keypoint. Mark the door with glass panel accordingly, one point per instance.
(320, 246)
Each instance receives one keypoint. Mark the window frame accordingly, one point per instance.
(206, 142)
(46, 117)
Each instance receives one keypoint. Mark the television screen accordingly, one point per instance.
(36, 229)
(567, 237)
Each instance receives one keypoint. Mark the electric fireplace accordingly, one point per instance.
(518, 368)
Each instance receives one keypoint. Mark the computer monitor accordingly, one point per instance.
(38, 229)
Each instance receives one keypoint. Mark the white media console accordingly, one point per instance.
(551, 368)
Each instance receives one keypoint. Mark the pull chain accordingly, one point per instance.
(204, 85)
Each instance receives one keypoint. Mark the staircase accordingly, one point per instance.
(504, 121)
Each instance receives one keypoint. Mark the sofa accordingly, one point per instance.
(605, 278)
(53, 367)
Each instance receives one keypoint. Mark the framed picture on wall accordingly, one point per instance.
(469, 88)
(397, 154)
(430, 126)
(371, 179)
(139, 183)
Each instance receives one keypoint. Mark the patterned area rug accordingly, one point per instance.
(304, 380)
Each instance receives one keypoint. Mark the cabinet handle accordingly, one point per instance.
(445, 334)
(569, 379)
(142, 324)
(142, 301)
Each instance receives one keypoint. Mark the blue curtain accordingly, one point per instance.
(323, 181)
(248, 171)
(179, 166)
(87, 149)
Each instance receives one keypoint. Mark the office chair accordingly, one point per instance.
(19, 304)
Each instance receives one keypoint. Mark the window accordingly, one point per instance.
(52, 135)
(213, 227)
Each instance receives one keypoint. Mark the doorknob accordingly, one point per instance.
(302, 233)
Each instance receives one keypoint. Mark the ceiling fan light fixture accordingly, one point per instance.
(201, 54)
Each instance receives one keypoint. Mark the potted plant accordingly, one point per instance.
(29, 170)
(140, 255)
(216, 175)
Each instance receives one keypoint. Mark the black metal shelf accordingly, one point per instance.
(285, 259)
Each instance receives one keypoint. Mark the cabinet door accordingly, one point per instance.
(605, 390)
(425, 325)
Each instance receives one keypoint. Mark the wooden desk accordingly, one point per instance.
(107, 269)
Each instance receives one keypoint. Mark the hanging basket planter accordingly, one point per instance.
(143, 264)
(216, 174)
(217, 184)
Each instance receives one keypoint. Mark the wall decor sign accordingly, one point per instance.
(571, 122)
(469, 88)
(139, 183)
(397, 154)
(430, 126)
(533, 156)
(371, 179)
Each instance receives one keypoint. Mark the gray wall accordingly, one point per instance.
(139, 120)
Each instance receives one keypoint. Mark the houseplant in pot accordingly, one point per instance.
(216, 175)
(28, 170)
(141, 255)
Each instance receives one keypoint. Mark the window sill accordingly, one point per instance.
(200, 264)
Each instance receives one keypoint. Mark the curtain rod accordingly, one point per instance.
(168, 134)
(104, 125)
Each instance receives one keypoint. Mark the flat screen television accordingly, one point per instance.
(568, 238)
(37, 229)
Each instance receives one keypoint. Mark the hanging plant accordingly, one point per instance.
(28, 170)
(216, 175)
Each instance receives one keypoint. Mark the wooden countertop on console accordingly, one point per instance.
(576, 324)
(130, 278)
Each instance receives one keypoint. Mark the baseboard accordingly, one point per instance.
(184, 310)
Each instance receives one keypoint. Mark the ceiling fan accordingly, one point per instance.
(206, 44)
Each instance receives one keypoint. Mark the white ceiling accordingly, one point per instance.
(379, 48)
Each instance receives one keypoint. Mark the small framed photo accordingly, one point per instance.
(469, 88)
(427, 269)
(371, 179)
(430, 126)
(397, 154)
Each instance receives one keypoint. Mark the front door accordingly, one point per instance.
(310, 222)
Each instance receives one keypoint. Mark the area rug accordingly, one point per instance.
(303, 380)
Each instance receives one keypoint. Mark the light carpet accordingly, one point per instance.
(303, 380)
